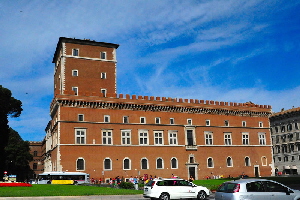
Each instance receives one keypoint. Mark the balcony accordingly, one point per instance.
(191, 147)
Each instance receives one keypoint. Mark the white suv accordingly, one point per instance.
(174, 188)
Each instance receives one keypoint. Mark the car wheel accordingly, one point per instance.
(201, 195)
(164, 196)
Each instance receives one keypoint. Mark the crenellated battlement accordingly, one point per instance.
(160, 101)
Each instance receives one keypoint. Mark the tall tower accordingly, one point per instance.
(84, 67)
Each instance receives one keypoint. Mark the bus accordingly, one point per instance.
(63, 178)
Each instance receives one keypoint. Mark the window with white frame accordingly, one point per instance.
(106, 118)
(107, 137)
(80, 166)
(174, 163)
(173, 137)
(103, 55)
(227, 139)
(143, 120)
(226, 123)
(229, 162)
(189, 121)
(264, 161)
(126, 137)
(107, 164)
(260, 124)
(158, 138)
(244, 123)
(143, 137)
(207, 122)
(75, 52)
(103, 91)
(75, 89)
(208, 138)
(247, 161)
(157, 120)
(80, 117)
(126, 164)
(144, 163)
(159, 163)
(103, 75)
(74, 72)
(80, 135)
(125, 119)
(262, 138)
(210, 163)
(172, 121)
(245, 138)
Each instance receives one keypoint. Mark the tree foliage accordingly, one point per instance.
(9, 106)
(18, 156)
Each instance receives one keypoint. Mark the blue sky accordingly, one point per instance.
(222, 50)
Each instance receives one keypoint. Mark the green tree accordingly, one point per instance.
(18, 156)
(9, 106)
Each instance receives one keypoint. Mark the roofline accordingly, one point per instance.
(81, 41)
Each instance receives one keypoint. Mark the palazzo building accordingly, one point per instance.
(94, 129)
(286, 140)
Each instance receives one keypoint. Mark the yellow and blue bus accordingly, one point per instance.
(63, 178)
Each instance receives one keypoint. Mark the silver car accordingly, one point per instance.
(255, 189)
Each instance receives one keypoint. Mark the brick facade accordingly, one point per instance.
(107, 134)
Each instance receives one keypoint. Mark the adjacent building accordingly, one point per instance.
(36, 150)
(94, 129)
(286, 140)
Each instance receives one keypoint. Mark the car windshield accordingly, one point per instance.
(227, 187)
(150, 183)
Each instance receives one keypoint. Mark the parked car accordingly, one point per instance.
(174, 188)
(255, 189)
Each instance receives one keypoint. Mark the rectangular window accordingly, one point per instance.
(103, 91)
(143, 137)
(126, 137)
(125, 119)
(173, 137)
(226, 123)
(172, 121)
(245, 138)
(208, 138)
(262, 138)
(103, 55)
(107, 137)
(75, 89)
(260, 124)
(158, 138)
(106, 118)
(189, 121)
(103, 75)
(157, 120)
(189, 137)
(227, 138)
(75, 52)
(244, 124)
(80, 117)
(80, 136)
(207, 122)
(74, 72)
(143, 120)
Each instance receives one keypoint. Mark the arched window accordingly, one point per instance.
(264, 161)
(174, 164)
(80, 164)
(210, 162)
(144, 163)
(107, 164)
(229, 162)
(126, 164)
(247, 161)
(159, 163)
